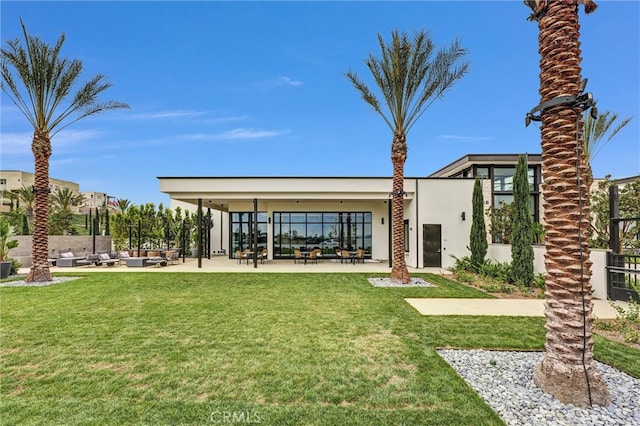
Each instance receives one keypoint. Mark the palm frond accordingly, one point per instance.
(596, 130)
(47, 83)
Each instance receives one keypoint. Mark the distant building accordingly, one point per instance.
(13, 180)
(94, 200)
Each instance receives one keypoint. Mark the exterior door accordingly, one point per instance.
(432, 245)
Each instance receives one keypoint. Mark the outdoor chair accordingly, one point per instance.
(345, 256)
(241, 256)
(157, 260)
(359, 258)
(71, 260)
(318, 254)
(123, 255)
(264, 255)
(297, 255)
(105, 259)
(172, 256)
(313, 256)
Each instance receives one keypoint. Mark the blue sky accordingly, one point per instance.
(258, 88)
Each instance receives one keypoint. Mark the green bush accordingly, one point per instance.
(539, 280)
(496, 287)
(462, 264)
(628, 320)
(15, 265)
(464, 277)
(498, 271)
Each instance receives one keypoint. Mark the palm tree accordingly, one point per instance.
(595, 131)
(410, 80)
(62, 203)
(47, 80)
(567, 370)
(27, 196)
(66, 199)
(121, 205)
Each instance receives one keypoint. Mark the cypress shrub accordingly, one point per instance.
(478, 236)
(521, 227)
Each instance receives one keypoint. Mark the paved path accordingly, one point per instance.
(500, 307)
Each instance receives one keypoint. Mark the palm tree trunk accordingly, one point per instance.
(41, 148)
(399, 270)
(567, 370)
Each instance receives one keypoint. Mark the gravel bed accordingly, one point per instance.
(504, 379)
(386, 282)
(23, 283)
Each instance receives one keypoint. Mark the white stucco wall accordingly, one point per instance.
(502, 253)
(442, 201)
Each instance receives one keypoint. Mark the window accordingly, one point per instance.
(503, 178)
(242, 231)
(324, 230)
(503, 187)
(508, 199)
(482, 172)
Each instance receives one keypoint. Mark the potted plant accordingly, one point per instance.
(6, 243)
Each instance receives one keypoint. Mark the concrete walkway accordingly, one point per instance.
(501, 307)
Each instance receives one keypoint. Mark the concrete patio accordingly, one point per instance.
(224, 264)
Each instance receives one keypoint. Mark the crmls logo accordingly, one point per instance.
(230, 417)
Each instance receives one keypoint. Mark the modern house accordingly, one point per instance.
(351, 212)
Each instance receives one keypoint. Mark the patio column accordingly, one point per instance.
(199, 232)
(209, 233)
(255, 232)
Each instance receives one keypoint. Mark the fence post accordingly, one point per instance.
(614, 219)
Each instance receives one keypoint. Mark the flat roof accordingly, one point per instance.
(470, 159)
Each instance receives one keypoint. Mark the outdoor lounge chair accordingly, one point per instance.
(123, 255)
(69, 259)
(105, 259)
(157, 260)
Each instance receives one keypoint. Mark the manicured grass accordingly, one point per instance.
(274, 349)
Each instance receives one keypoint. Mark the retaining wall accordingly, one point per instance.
(502, 253)
(79, 244)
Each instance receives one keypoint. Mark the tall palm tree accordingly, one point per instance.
(43, 97)
(410, 79)
(567, 370)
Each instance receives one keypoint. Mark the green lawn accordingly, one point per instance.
(274, 349)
